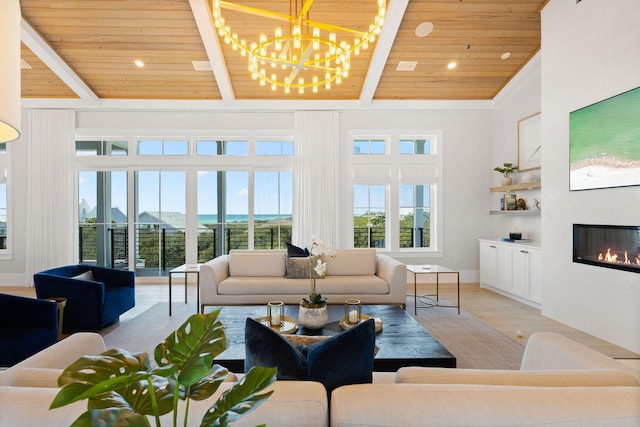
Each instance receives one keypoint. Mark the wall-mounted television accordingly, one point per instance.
(604, 143)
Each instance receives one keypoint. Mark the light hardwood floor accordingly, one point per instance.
(510, 317)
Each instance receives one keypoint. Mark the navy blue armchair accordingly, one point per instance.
(27, 325)
(94, 300)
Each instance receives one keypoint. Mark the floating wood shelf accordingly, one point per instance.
(514, 187)
(530, 212)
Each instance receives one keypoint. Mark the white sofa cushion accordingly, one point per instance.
(261, 263)
(546, 378)
(352, 262)
(343, 285)
(419, 405)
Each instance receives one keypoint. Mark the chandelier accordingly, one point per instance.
(304, 48)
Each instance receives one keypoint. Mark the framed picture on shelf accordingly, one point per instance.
(510, 203)
(529, 143)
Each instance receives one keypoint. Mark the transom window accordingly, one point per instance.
(163, 148)
(274, 148)
(222, 148)
(369, 146)
(415, 146)
(102, 148)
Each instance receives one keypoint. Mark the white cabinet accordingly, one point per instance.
(513, 270)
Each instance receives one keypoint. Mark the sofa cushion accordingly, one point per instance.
(346, 358)
(294, 251)
(266, 263)
(299, 268)
(546, 378)
(351, 262)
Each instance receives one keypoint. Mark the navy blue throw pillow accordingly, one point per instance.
(294, 251)
(346, 358)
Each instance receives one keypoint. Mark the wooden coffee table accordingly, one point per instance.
(402, 341)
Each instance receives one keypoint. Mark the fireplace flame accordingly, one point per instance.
(613, 258)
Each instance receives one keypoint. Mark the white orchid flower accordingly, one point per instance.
(320, 268)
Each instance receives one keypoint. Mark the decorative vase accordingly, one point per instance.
(506, 180)
(313, 318)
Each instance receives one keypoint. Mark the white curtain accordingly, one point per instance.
(50, 216)
(316, 209)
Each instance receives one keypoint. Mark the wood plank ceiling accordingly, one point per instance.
(97, 42)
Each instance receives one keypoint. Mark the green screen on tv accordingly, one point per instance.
(604, 143)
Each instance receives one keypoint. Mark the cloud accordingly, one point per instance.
(243, 192)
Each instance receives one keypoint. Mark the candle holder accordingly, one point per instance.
(275, 313)
(352, 311)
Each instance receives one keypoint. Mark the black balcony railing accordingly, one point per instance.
(374, 237)
(160, 249)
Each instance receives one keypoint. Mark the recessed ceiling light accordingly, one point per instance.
(406, 65)
(452, 65)
(201, 65)
(505, 55)
(138, 63)
(424, 29)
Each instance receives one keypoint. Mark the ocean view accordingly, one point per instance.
(213, 219)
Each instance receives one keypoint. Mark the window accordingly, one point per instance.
(163, 148)
(102, 148)
(415, 146)
(414, 226)
(273, 205)
(160, 220)
(223, 212)
(369, 207)
(222, 148)
(369, 146)
(102, 218)
(274, 148)
(181, 206)
(396, 200)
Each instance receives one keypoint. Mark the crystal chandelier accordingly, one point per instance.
(305, 48)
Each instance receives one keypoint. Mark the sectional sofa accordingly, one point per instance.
(560, 383)
(246, 277)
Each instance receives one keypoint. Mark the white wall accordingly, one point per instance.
(589, 52)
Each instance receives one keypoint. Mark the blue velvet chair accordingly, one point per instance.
(27, 325)
(91, 304)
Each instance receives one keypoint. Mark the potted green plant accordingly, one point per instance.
(506, 169)
(123, 389)
(313, 310)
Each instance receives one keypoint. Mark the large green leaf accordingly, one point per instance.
(240, 399)
(193, 346)
(115, 417)
(93, 375)
(207, 385)
(92, 370)
(116, 379)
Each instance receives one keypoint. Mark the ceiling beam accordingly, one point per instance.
(204, 21)
(41, 48)
(387, 36)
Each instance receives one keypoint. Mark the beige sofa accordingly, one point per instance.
(256, 277)
(561, 383)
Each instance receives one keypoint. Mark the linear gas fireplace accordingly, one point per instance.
(610, 246)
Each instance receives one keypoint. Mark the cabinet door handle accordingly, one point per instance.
(492, 246)
(524, 252)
